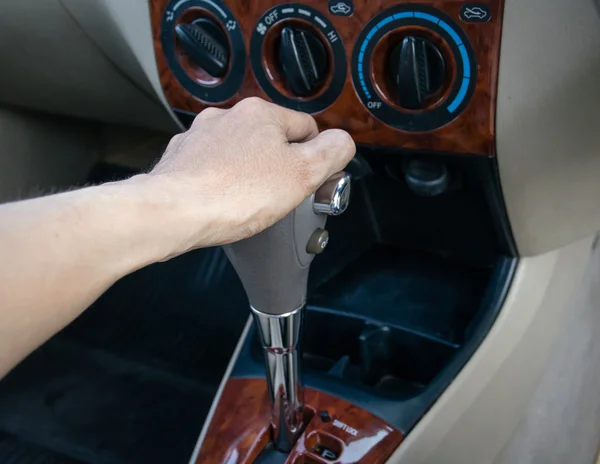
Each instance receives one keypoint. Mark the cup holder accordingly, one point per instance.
(388, 360)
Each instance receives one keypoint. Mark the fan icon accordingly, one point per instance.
(261, 29)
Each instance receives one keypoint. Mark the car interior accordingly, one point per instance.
(438, 302)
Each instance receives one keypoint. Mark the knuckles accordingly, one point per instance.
(251, 105)
(175, 142)
(208, 113)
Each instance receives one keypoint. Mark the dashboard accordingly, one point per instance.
(103, 61)
(419, 76)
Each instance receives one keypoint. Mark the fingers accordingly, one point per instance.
(326, 154)
(319, 156)
(296, 126)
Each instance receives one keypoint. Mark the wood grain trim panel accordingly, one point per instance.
(239, 430)
(472, 132)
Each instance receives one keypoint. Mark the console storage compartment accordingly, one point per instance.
(404, 293)
(390, 321)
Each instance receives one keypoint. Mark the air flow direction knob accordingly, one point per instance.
(303, 59)
(206, 45)
(418, 71)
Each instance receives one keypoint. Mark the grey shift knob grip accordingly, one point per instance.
(273, 265)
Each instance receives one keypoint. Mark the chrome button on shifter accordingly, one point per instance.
(334, 195)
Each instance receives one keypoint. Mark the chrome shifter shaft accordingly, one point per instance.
(280, 338)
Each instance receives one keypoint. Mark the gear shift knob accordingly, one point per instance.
(273, 267)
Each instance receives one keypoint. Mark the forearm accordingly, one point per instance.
(62, 252)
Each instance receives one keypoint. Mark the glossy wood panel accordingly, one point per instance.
(470, 133)
(239, 429)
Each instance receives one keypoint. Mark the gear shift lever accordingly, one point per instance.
(273, 267)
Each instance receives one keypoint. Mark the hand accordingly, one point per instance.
(239, 171)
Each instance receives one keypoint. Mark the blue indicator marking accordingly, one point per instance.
(384, 21)
(371, 34)
(404, 15)
(461, 95)
(427, 17)
(450, 31)
(465, 59)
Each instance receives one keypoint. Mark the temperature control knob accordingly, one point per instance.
(206, 45)
(303, 59)
(418, 71)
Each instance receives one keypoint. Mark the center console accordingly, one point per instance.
(417, 268)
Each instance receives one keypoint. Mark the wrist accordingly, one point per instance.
(160, 216)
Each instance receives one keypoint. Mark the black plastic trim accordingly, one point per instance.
(498, 208)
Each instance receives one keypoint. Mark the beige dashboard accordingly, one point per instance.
(90, 59)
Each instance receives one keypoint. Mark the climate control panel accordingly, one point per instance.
(413, 68)
(408, 75)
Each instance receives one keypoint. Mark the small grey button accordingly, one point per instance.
(317, 242)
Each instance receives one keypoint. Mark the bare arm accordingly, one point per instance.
(234, 173)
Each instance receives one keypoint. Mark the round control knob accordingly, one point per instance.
(303, 59)
(418, 71)
(206, 45)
